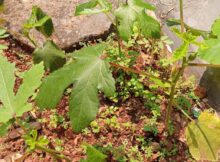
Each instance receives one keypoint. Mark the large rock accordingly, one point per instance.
(69, 30)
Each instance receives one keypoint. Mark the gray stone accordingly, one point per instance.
(69, 30)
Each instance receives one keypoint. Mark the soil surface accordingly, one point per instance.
(118, 129)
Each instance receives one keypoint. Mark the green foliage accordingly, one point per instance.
(3, 34)
(187, 39)
(210, 51)
(40, 21)
(151, 128)
(16, 105)
(196, 32)
(94, 155)
(51, 55)
(216, 28)
(4, 128)
(203, 137)
(89, 73)
(90, 7)
(135, 12)
(32, 140)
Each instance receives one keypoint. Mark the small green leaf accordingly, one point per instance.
(135, 11)
(125, 28)
(149, 26)
(3, 33)
(85, 7)
(210, 51)
(141, 3)
(94, 155)
(216, 28)
(187, 39)
(89, 73)
(203, 137)
(180, 52)
(40, 21)
(89, 7)
(51, 55)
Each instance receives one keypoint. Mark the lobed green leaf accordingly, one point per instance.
(89, 73)
(16, 105)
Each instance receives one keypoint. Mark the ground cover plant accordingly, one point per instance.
(128, 70)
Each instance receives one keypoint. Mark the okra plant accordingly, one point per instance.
(200, 134)
(88, 69)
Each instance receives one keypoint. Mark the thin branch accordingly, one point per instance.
(181, 16)
(53, 153)
(204, 65)
(184, 113)
(138, 72)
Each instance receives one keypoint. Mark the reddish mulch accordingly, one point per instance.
(131, 111)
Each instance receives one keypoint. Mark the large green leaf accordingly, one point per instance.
(89, 73)
(51, 55)
(16, 105)
(203, 137)
(135, 11)
(94, 155)
(210, 51)
(40, 21)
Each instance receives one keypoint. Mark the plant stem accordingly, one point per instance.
(138, 72)
(181, 16)
(178, 75)
(184, 113)
(32, 40)
(173, 91)
(204, 65)
(53, 153)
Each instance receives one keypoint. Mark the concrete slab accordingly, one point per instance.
(69, 29)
